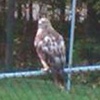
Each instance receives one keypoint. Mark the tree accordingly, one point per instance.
(9, 33)
(87, 33)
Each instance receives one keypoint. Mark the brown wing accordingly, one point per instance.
(51, 49)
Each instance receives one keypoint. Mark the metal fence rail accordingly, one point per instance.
(82, 69)
(41, 72)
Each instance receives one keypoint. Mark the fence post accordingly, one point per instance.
(71, 42)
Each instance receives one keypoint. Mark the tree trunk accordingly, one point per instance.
(9, 34)
(30, 10)
(62, 10)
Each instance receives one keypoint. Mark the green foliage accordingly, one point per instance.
(95, 4)
(97, 7)
(86, 50)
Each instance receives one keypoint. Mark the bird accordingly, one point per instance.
(51, 50)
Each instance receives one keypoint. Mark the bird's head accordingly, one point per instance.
(44, 23)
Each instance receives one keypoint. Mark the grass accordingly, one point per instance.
(38, 89)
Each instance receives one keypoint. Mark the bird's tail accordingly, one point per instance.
(59, 77)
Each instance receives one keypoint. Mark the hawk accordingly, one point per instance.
(50, 48)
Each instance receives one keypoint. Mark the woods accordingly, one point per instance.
(18, 26)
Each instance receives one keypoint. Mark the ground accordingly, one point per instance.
(39, 89)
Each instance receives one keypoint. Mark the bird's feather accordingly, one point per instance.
(51, 48)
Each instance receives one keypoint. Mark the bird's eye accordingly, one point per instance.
(42, 22)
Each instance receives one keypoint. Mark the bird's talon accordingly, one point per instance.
(45, 69)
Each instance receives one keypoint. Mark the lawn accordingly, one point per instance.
(38, 89)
